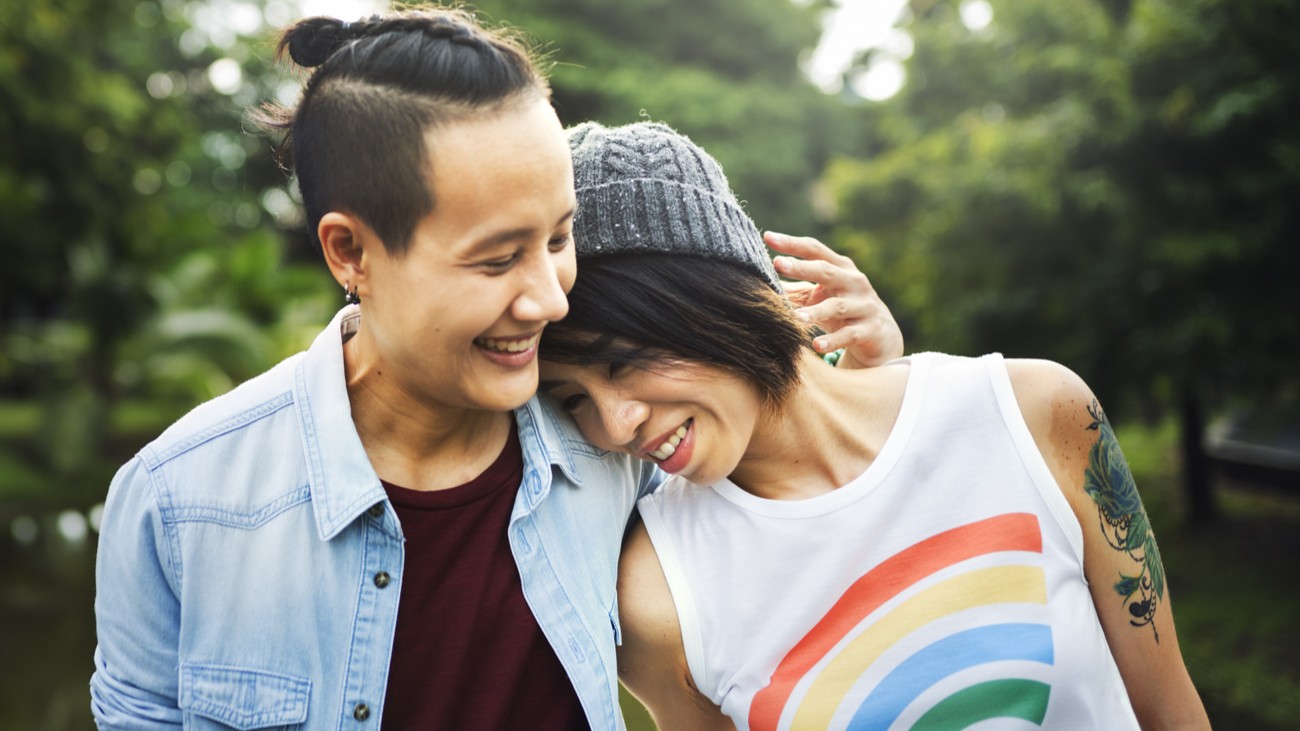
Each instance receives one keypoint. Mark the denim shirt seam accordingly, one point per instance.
(162, 503)
(549, 434)
(236, 519)
(596, 666)
(329, 521)
(263, 409)
(373, 641)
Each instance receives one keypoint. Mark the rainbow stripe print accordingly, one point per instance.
(947, 653)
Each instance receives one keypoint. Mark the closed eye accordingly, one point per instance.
(501, 265)
(571, 403)
(560, 242)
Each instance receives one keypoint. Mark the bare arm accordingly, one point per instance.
(652, 660)
(1121, 560)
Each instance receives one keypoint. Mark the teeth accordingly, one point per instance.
(667, 449)
(509, 346)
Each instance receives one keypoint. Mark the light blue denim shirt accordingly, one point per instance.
(239, 551)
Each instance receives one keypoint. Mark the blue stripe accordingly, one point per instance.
(945, 657)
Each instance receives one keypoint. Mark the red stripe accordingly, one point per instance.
(1009, 532)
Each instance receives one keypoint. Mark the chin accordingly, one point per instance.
(696, 478)
(504, 401)
(507, 396)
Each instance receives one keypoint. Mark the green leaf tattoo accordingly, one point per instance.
(1124, 523)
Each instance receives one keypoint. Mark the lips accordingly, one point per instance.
(676, 448)
(509, 345)
(509, 352)
(669, 445)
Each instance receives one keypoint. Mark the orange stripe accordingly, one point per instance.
(1009, 532)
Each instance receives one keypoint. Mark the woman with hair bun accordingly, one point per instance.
(388, 529)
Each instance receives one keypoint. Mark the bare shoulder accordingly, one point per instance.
(1121, 559)
(645, 602)
(1059, 409)
(652, 659)
(1047, 390)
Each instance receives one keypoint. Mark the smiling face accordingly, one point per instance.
(691, 419)
(454, 321)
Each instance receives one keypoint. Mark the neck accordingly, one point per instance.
(825, 434)
(412, 442)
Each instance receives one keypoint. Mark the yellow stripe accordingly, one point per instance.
(996, 585)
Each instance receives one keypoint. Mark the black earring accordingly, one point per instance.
(350, 296)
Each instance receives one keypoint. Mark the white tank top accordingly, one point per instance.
(940, 589)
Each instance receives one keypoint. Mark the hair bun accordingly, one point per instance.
(311, 41)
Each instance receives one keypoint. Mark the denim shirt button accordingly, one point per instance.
(382, 579)
(376, 510)
(361, 712)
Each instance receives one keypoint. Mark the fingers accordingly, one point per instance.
(837, 309)
(842, 338)
(835, 273)
(866, 344)
(863, 325)
(811, 270)
(833, 279)
(799, 293)
(806, 247)
(842, 303)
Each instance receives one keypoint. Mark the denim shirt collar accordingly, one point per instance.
(343, 483)
(545, 445)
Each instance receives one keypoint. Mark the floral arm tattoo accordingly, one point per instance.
(1124, 523)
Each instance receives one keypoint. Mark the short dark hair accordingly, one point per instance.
(357, 137)
(646, 308)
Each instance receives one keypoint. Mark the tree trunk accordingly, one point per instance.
(1196, 464)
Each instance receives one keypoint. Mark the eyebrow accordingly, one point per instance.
(549, 385)
(502, 237)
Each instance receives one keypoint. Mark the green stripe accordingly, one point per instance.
(1013, 698)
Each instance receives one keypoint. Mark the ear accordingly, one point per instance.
(348, 245)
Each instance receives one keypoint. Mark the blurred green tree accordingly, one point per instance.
(1109, 184)
(156, 248)
(724, 72)
(142, 259)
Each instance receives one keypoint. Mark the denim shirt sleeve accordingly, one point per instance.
(237, 563)
(135, 683)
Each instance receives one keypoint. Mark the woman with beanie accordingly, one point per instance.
(933, 543)
(387, 530)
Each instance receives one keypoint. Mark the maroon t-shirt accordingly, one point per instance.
(468, 653)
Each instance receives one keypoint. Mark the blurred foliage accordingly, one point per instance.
(723, 72)
(156, 247)
(1109, 184)
(1072, 181)
(144, 263)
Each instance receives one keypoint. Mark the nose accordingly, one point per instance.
(543, 296)
(620, 419)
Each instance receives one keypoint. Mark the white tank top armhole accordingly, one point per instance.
(679, 587)
(1033, 460)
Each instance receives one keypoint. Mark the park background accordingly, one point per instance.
(1109, 183)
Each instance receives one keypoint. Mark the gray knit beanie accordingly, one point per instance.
(645, 188)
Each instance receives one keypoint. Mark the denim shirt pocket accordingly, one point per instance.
(220, 697)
